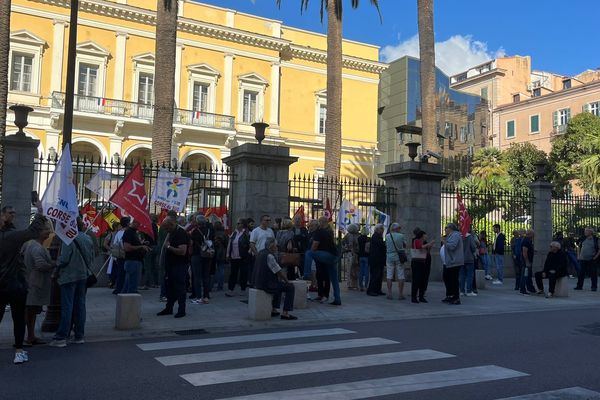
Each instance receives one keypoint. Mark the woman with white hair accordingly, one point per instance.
(555, 267)
(395, 259)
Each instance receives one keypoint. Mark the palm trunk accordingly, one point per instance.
(333, 124)
(164, 80)
(4, 51)
(427, 56)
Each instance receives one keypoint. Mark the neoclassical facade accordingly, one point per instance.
(232, 69)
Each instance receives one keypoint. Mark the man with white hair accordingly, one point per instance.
(395, 258)
(555, 267)
(588, 260)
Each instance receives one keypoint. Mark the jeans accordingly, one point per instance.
(17, 303)
(133, 270)
(201, 275)
(330, 260)
(526, 280)
(518, 268)
(499, 262)
(485, 263)
(572, 257)
(72, 310)
(219, 276)
(588, 267)
(363, 276)
(119, 267)
(465, 276)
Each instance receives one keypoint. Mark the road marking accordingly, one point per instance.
(393, 385)
(574, 393)
(272, 351)
(179, 344)
(305, 367)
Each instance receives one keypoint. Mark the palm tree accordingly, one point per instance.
(164, 80)
(4, 51)
(333, 124)
(427, 59)
(590, 164)
(489, 169)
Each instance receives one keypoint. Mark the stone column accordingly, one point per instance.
(542, 221)
(227, 83)
(274, 100)
(17, 180)
(58, 40)
(178, 54)
(261, 179)
(418, 202)
(120, 58)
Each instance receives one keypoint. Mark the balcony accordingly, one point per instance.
(559, 130)
(128, 109)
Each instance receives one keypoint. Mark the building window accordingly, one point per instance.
(463, 134)
(200, 97)
(534, 124)
(567, 84)
(484, 93)
(88, 80)
(20, 77)
(516, 98)
(249, 110)
(322, 118)
(146, 89)
(593, 108)
(560, 120)
(510, 129)
(536, 92)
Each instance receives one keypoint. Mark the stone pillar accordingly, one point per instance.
(227, 83)
(274, 100)
(120, 59)
(17, 179)
(542, 221)
(418, 202)
(261, 179)
(58, 40)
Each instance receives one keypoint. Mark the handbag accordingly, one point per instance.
(418, 254)
(207, 249)
(290, 259)
(401, 254)
(91, 279)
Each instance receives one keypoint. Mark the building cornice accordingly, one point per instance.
(320, 56)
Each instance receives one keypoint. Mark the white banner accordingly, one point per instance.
(170, 191)
(104, 184)
(60, 199)
(377, 217)
(348, 214)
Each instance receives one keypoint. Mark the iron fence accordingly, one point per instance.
(571, 214)
(211, 185)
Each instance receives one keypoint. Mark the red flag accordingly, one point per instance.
(132, 198)
(464, 219)
(162, 216)
(328, 212)
(214, 213)
(300, 213)
(92, 220)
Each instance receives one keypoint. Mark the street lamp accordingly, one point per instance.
(260, 128)
(412, 142)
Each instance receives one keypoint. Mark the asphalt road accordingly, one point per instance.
(478, 358)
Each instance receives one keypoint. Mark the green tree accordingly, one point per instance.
(333, 124)
(489, 169)
(164, 80)
(520, 160)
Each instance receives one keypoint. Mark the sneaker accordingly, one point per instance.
(195, 301)
(524, 294)
(471, 294)
(539, 292)
(323, 300)
(7, 308)
(78, 341)
(162, 299)
(549, 295)
(488, 278)
(21, 357)
(58, 343)
(497, 282)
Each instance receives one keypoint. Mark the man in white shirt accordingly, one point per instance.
(259, 235)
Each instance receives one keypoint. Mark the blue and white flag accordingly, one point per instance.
(377, 217)
(348, 214)
(60, 199)
(170, 191)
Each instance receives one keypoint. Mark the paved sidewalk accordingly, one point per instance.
(224, 313)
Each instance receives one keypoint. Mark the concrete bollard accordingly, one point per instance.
(300, 291)
(129, 311)
(480, 279)
(260, 304)
(562, 287)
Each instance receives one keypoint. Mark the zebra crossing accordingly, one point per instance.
(382, 352)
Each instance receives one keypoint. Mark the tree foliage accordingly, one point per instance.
(519, 160)
(489, 171)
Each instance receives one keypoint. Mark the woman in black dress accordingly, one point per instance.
(377, 254)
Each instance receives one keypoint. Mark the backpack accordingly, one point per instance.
(207, 250)
(117, 250)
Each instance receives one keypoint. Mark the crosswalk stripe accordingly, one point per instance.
(272, 351)
(573, 393)
(394, 385)
(305, 367)
(242, 339)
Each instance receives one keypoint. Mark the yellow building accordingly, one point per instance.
(232, 69)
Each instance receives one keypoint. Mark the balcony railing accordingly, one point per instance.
(559, 129)
(128, 109)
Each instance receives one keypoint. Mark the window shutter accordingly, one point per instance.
(586, 107)
(568, 114)
(555, 119)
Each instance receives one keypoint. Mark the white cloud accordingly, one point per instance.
(452, 56)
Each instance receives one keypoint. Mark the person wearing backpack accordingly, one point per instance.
(588, 259)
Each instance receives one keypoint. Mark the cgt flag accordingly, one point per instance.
(60, 199)
(300, 213)
(92, 221)
(132, 198)
(464, 219)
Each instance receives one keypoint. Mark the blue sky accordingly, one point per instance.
(561, 37)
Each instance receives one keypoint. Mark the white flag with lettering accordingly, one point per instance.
(104, 184)
(60, 199)
(170, 191)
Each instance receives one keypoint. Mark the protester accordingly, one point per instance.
(363, 259)
(465, 277)
(238, 256)
(588, 259)
(516, 245)
(300, 241)
(271, 278)
(395, 259)
(135, 251)
(498, 253)
(39, 271)
(13, 282)
(351, 250)
(377, 256)
(323, 250)
(220, 244)
(317, 272)
(73, 270)
(150, 267)
(203, 253)
(484, 256)
(286, 248)
(118, 256)
(106, 246)
(174, 258)
(527, 249)
(258, 238)
(569, 245)
(555, 267)
(420, 252)
(454, 259)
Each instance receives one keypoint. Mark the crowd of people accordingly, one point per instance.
(187, 259)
